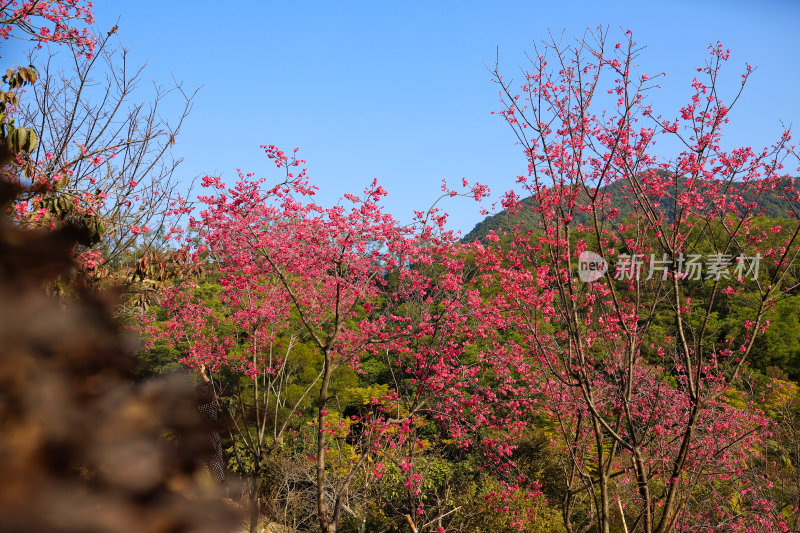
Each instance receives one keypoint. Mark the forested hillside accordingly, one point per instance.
(774, 204)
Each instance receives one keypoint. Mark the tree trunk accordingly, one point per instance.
(326, 525)
(254, 506)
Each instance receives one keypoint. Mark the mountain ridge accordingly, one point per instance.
(770, 202)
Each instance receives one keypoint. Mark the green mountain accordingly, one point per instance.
(772, 204)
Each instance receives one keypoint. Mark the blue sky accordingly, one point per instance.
(400, 91)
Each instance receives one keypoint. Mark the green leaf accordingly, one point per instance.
(33, 141)
(22, 138)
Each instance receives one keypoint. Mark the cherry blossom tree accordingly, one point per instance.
(351, 283)
(612, 307)
(46, 21)
(49, 21)
(104, 157)
(87, 152)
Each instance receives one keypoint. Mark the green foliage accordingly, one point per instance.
(15, 140)
(494, 515)
(771, 204)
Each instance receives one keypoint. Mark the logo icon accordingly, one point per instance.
(591, 267)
